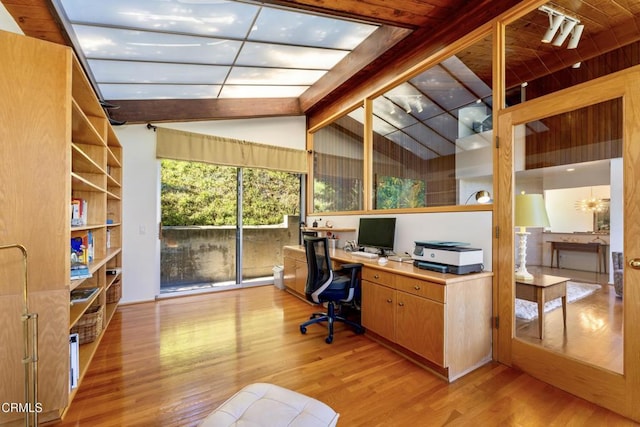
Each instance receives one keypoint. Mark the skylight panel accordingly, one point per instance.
(107, 71)
(272, 55)
(158, 91)
(110, 43)
(443, 88)
(217, 18)
(232, 91)
(272, 76)
(281, 26)
(153, 49)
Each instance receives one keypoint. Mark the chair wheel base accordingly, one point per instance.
(329, 339)
(303, 330)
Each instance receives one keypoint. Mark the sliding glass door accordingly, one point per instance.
(199, 223)
(224, 227)
(270, 220)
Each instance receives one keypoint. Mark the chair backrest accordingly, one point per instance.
(319, 274)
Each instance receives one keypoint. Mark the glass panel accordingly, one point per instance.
(213, 18)
(273, 55)
(589, 42)
(198, 203)
(110, 43)
(575, 163)
(154, 72)
(155, 91)
(231, 91)
(279, 26)
(272, 76)
(338, 166)
(270, 219)
(432, 135)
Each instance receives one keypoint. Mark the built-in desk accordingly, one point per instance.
(441, 321)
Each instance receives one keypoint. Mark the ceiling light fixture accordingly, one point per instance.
(566, 24)
(592, 204)
(565, 29)
(555, 20)
(576, 33)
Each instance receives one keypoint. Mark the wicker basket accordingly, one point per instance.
(90, 324)
(114, 293)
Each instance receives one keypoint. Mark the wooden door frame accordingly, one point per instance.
(617, 392)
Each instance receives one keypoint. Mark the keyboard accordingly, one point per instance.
(364, 255)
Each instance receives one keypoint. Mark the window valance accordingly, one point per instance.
(182, 145)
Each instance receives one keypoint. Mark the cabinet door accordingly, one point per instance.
(289, 273)
(378, 311)
(420, 326)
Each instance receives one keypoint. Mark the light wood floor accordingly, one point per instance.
(169, 363)
(594, 324)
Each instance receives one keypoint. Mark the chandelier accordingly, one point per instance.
(592, 204)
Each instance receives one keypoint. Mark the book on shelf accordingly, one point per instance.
(74, 361)
(82, 294)
(78, 211)
(80, 270)
(82, 248)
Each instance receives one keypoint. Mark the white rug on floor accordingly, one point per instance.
(528, 310)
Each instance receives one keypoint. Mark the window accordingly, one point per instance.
(338, 166)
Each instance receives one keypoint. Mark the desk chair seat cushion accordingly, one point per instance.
(337, 289)
(263, 404)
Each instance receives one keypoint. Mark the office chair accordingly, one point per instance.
(326, 285)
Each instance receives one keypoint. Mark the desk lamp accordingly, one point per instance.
(482, 197)
(530, 212)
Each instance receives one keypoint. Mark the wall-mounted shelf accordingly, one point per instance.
(325, 229)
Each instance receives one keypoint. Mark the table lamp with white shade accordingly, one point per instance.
(529, 212)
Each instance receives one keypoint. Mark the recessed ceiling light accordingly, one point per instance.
(570, 169)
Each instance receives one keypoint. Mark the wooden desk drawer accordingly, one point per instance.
(421, 288)
(378, 276)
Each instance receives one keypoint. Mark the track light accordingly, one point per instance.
(575, 36)
(554, 25)
(565, 29)
(567, 26)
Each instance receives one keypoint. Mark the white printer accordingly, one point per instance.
(447, 257)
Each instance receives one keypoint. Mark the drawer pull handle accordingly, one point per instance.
(401, 304)
(389, 300)
(416, 287)
(376, 277)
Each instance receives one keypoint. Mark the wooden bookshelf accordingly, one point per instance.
(57, 144)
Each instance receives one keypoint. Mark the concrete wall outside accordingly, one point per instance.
(207, 254)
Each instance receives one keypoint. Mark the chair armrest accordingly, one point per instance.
(353, 270)
(350, 266)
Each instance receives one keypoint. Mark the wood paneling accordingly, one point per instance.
(584, 135)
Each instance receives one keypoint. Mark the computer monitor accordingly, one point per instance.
(378, 233)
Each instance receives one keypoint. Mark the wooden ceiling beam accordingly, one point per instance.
(164, 110)
(381, 41)
(37, 19)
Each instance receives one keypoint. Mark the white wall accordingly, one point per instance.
(7, 22)
(563, 215)
(141, 192)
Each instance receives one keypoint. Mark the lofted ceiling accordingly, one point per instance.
(404, 27)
